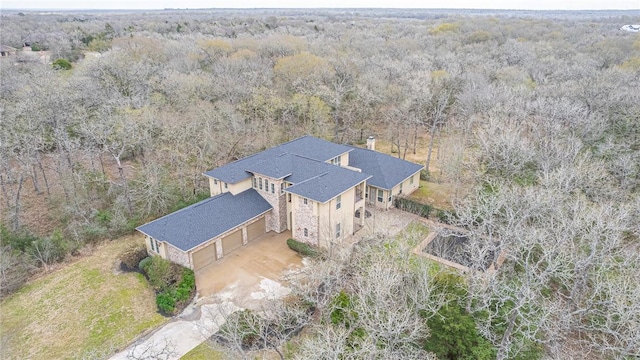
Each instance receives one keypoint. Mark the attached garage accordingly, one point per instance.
(231, 242)
(204, 256)
(256, 229)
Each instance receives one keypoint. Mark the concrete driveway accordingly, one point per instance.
(266, 257)
(240, 280)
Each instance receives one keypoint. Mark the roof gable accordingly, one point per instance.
(306, 146)
(387, 171)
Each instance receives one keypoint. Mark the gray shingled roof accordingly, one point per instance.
(277, 167)
(328, 185)
(387, 171)
(306, 146)
(207, 219)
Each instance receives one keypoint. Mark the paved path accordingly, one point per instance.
(198, 322)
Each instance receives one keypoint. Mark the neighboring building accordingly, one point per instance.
(316, 189)
(7, 51)
(631, 28)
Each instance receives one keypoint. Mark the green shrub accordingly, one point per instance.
(342, 310)
(20, 240)
(62, 64)
(425, 175)
(162, 273)
(131, 257)
(166, 302)
(454, 335)
(412, 206)
(303, 248)
(174, 284)
(145, 263)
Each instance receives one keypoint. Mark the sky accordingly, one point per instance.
(449, 4)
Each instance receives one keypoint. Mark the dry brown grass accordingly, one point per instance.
(86, 307)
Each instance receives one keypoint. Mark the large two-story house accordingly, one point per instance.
(314, 188)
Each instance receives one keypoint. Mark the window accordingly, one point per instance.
(273, 188)
(157, 246)
(366, 192)
(282, 188)
(411, 180)
(260, 183)
(338, 202)
(380, 196)
(306, 232)
(226, 185)
(335, 161)
(338, 232)
(215, 181)
(400, 192)
(255, 183)
(289, 197)
(304, 201)
(266, 185)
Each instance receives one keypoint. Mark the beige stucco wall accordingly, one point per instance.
(218, 187)
(215, 186)
(373, 198)
(238, 187)
(161, 245)
(407, 186)
(329, 217)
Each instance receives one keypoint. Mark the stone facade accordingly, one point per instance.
(305, 218)
(178, 256)
(276, 220)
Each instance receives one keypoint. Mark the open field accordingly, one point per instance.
(86, 308)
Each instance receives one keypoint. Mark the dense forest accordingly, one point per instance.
(535, 115)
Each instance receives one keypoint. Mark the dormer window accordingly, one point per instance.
(335, 161)
(266, 185)
(255, 183)
(260, 183)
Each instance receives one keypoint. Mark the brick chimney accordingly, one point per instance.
(371, 143)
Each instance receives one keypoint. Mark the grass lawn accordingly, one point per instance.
(203, 352)
(85, 308)
(438, 195)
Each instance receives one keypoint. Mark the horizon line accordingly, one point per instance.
(308, 8)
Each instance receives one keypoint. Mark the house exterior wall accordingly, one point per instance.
(162, 247)
(408, 186)
(344, 160)
(178, 256)
(329, 217)
(277, 218)
(304, 216)
(215, 186)
(238, 187)
(374, 201)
